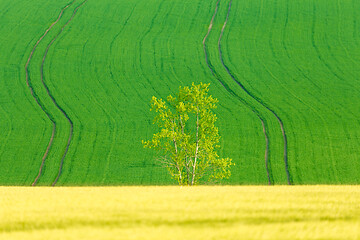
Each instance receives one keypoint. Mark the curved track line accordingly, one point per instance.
(284, 45)
(289, 180)
(206, 36)
(263, 122)
(52, 97)
(37, 99)
(256, 99)
(45, 155)
(48, 91)
(258, 115)
(140, 47)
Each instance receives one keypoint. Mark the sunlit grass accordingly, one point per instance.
(299, 57)
(300, 212)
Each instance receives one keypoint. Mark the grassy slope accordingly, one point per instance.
(24, 127)
(110, 60)
(135, 57)
(306, 69)
(281, 212)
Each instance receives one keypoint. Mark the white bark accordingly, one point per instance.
(176, 152)
(197, 147)
(187, 163)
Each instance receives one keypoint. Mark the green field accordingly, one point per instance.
(286, 68)
(255, 212)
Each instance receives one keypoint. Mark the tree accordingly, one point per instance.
(188, 139)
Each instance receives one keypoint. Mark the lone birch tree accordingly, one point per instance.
(188, 139)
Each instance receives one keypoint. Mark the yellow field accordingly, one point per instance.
(282, 212)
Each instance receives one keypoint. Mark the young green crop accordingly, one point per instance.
(298, 57)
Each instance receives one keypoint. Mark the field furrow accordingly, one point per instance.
(286, 74)
(316, 111)
(53, 99)
(263, 122)
(35, 96)
(230, 91)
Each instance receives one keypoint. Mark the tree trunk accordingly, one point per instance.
(176, 152)
(197, 146)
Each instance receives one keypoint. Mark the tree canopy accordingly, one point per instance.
(188, 138)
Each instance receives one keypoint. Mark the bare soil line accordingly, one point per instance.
(256, 99)
(37, 99)
(217, 76)
(52, 97)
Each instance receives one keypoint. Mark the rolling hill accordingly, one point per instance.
(76, 79)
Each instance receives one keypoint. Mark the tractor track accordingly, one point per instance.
(36, 97)
(289, 181)
(216, 75)
(52, 97)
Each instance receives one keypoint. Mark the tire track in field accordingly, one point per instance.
(289, 181)
(36, 97)
(217, 76)
(276, 59)
(80, 127)
(52, 97)
(314, 110)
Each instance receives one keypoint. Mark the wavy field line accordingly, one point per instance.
(302, 73)
(169, 47)
(331, 70)
(37, 99)
(140, 65)
(341, 43)
(320, 56)
(276, 59)
(111, 120)
(52, 97)
(140, 44)
(79, 128)
(160, 69)
(343, 80)
(294, 64)
(340, 16)
(112, 47)
(107, 165)
(289, 180)
(243, 88)
(215, 74)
